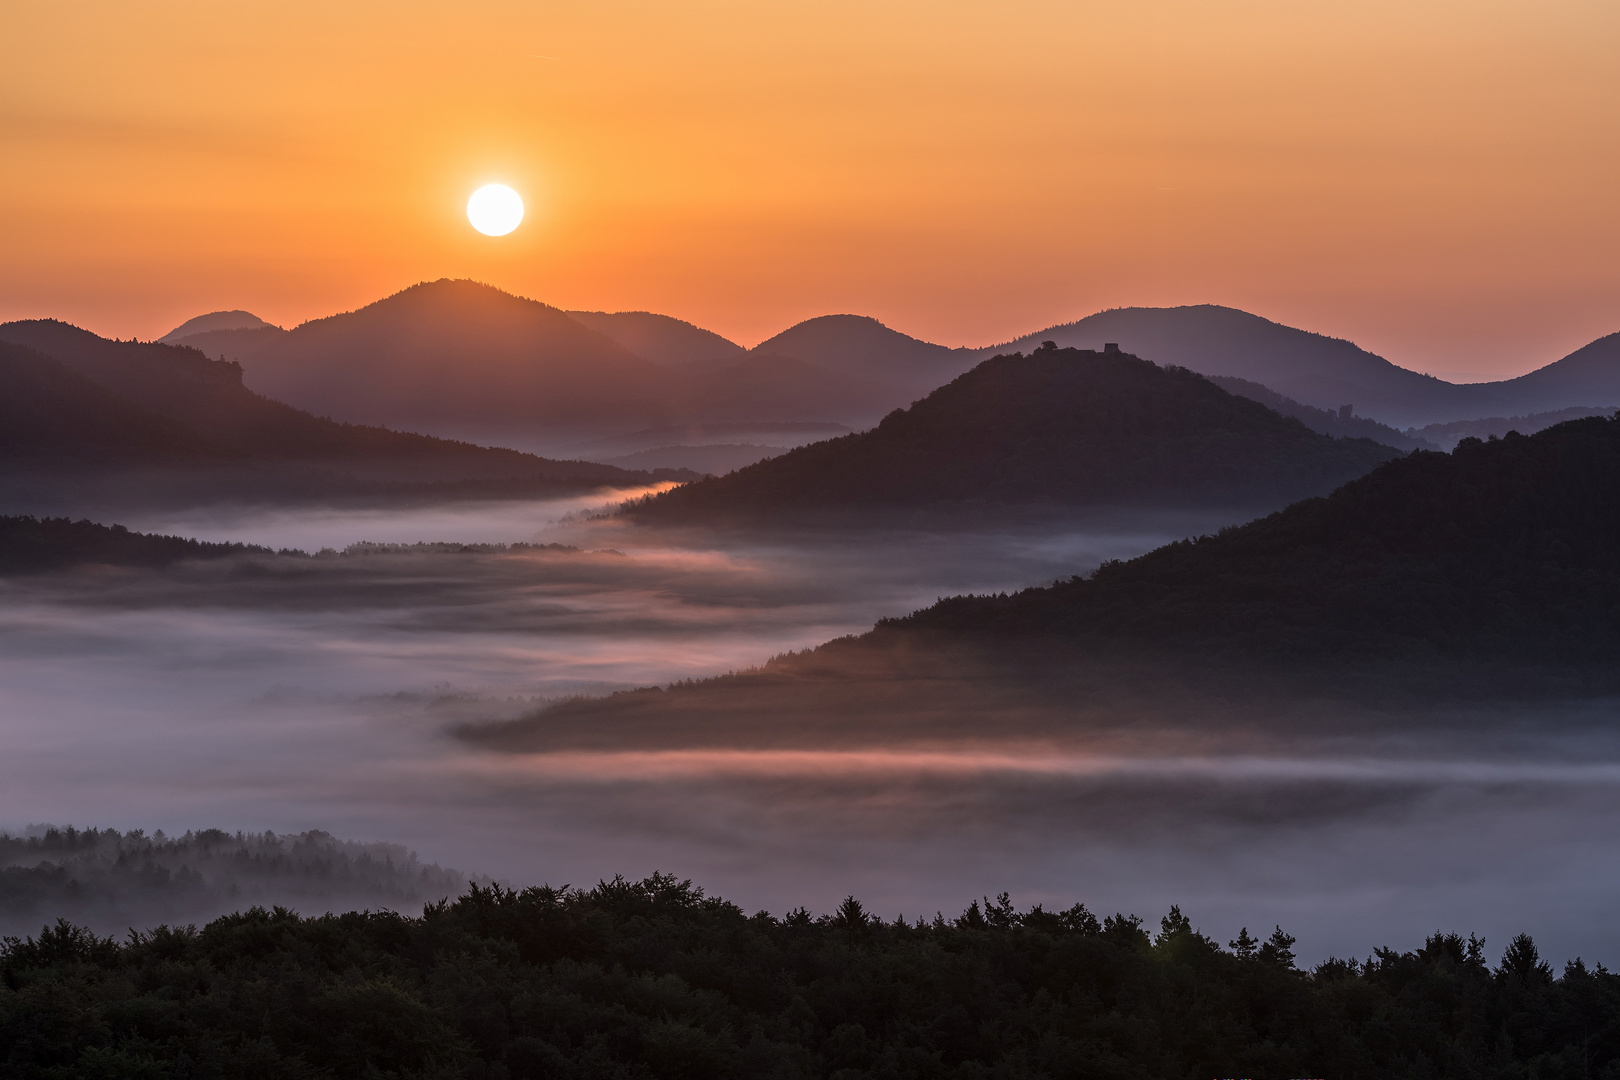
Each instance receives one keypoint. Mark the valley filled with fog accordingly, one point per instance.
(288, 693)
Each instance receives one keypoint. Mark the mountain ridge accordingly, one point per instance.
(1060, 427)
(198, 415)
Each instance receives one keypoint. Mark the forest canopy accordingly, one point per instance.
(1501, 553)
(655, 979)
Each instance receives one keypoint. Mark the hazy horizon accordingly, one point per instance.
(1419, 179)
(1511, 367)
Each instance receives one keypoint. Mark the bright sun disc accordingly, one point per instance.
(495, 210)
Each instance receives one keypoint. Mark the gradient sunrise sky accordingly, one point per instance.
(1438, 181)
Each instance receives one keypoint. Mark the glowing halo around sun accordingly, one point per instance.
(495, 209)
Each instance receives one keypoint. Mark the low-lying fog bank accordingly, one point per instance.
(112, 882)
(323, 693)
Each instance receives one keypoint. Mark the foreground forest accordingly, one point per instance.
(655, 979)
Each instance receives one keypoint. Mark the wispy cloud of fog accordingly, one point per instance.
(311, 528)
(291, 694)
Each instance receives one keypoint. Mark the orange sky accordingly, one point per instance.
(1438, 181)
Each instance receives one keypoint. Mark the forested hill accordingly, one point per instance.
(655, 979)
(30, 545)
(1502, 551)
(1059, 428)
(73, 401)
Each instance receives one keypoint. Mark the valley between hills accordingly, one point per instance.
(1166, 609)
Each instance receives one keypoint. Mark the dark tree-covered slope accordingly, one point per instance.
(196, 411)
(1062, 428)
(1341, 423)
(30, 545)
(1488, 574)
(655, 980)
(54, 417)
(1502, 551)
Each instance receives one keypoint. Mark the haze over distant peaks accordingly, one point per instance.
(466, 359)
(1327, 372)
(1588, 376)
(76, 402)
(452, 357)
(1311, 368)
(861, 346)
(1058, 428)
(662, 339)
(215, 321)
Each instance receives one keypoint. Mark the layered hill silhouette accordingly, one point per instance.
(1341, 423)
(1487, 575)
(215, 322)
(450, 355)
(1317, 370)
(1329, 373)
(860, 347)
(460, 358)
(1060, 428)
(1446, 436)
(79, 404)
(53, 417)
(1501, 552)
(662, 339)
(1588, 376)
(468, 360)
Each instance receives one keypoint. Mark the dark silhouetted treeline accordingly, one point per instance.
(110, 881)
(653, 979)
(129, 422)
(1502, 554)
(1058, 428)
(1450, 434)
(31, 545)
(1341, 423)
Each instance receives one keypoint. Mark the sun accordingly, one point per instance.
(495, 209)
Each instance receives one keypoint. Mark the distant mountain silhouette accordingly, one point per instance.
(859, 346)
(463, 359)
(664, 340)
(1341, 423)
(76, 400)
(455, 355)
(214, 322)
(1588, 376)
(232, 344)
(1310, 368)
(1061, 428)
(459, 358)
